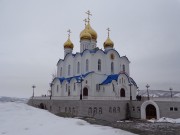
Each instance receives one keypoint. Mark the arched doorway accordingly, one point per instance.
(151, 112)
(85, 92)
(122, 93)
(41, 106)
(150, 109)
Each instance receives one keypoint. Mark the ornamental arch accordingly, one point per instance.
(149, 109)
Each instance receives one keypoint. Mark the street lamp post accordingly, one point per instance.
(138, 90)
(33, 90)
(130, 84)
(171, 91)
(51, 84)
(147, 86)
(80, 81)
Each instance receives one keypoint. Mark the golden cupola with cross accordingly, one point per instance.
(88, 32)
(68, 45)
(108, 43)
(85, 34)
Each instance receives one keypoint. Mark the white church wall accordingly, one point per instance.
(99, 55)
(96, 79)
(68, 61)
(115, 60)
(124, 61)
(56, 88)
(86, 56)
(77, 59)
(59, 65)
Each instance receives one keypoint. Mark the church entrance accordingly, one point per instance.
(151, 112)
(122, 93)
(41, 106)
(85, 92)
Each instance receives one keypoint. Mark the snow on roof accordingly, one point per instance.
(110, 78)
(76, 77)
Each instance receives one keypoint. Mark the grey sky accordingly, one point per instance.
(32, 34)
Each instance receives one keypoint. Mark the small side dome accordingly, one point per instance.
(108, 43)
(68, 44)
(85, 35)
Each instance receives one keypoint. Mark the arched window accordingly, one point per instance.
(69, 90)
(122, 93)
(57, 88)
(114, 109)
(69, 69)
(110, 109)
(61, 71)
(112, 67)
(99, 65)
(87, 65)
(66, 87)
(100, 110)
(78, 67)
(74, 86)
(123, 68)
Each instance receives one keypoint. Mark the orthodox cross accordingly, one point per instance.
(108, 29)
(69, 32)
(89, 14)
(85, 20)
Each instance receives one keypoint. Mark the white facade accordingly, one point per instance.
(93, 73)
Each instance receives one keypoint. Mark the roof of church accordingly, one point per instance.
(91, 51)
(110, 78)
(76, 77)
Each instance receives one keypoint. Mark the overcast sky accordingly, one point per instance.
(32, 34)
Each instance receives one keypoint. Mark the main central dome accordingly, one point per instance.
(88, 29)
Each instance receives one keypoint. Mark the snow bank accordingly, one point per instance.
(164, 119)
(21, 119)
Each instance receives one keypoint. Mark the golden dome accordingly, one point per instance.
(91, 31)
(88, 30)
(108, 43)
(85, 35)
(68, 44)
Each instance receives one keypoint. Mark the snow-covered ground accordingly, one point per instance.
(21, 119)
(159, 93)
(164, 119)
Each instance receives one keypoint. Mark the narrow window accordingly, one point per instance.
(66, 87)
(87, 65)
(114, 109)
(78, 67)
(57, 88)
(100, 110)
(74, 86)
(171, 108)
(118, 109)
(175, 109)
(69, 69)
(99, 65)
(123, 68)
(70, 109)
(90, 110)
(95, 110)
(110, 109)
(61, 71)
(122, 93)
(69, 90)
(112, 67)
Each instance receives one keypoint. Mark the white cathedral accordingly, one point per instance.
(93, 73)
